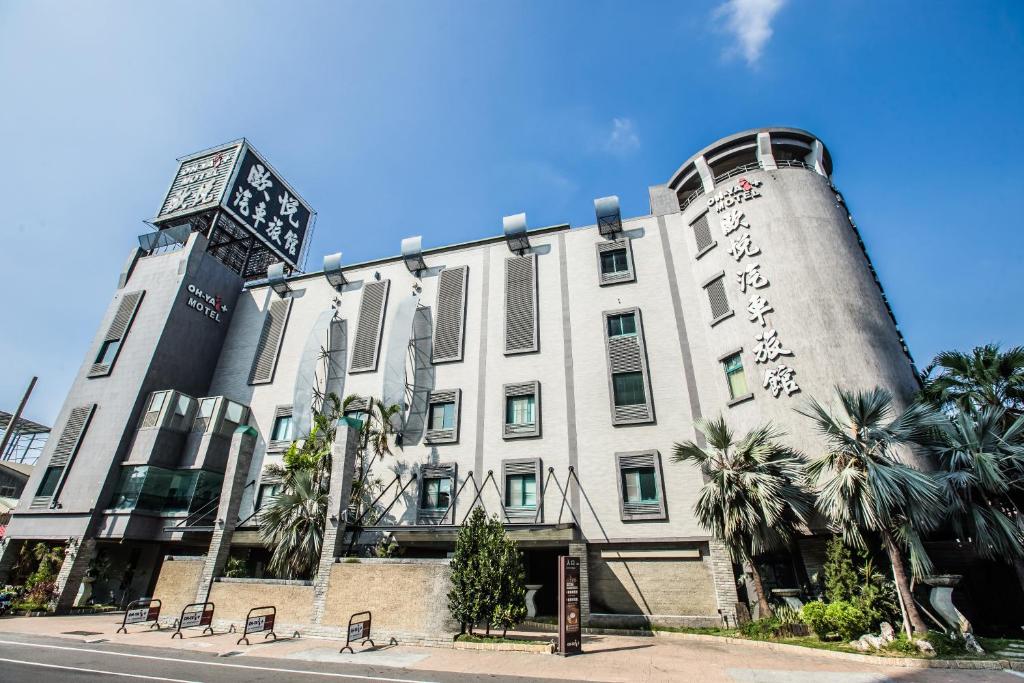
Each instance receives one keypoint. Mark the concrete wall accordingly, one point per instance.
(176, 584)
(407, 597)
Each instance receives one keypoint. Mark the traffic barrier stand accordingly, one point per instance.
(259, 623)
(139, 612)
(358, 630)
(195, 617)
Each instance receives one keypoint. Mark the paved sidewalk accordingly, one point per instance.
(607, 658)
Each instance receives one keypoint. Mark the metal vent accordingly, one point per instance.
(521, 304)
(717, 298)
(368, 329)
(126, 311)
(449, 326)
(71, 436)
(702, 233)
(265, 362)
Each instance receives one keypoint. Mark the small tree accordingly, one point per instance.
(840, 576)
(487, 575)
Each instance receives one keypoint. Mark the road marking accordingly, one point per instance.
(95, 671)
(222, 664)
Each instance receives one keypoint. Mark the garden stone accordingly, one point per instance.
(924, 647)
(860, 645)
(972, 644)
(888, 633)
(873, 640)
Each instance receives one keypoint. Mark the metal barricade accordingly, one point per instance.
(139, 612)
(358, 630)
(195, 617)
(259, 623)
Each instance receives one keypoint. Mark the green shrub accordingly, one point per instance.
(760, 629)
(235, 568)
(945, 646)
(840, 576)
(839, 619)
(901, 644)
(848, 620)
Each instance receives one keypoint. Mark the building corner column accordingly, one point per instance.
(243, 443)
(724, 578)
(77, 555)
(707, 180)
(579, 550)
(343, 466)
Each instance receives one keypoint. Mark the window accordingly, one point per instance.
(521, 490)
(49, 483)
(614, 261)
(356, 415)
(235, 414)
(108, 352)
(7, 492)
(151, 418)
(146, 487)
(702, 235)
(641, 494)
(437, 493)
(442, 415)
(267, 493)
(205, 414)
(629, 388)
(735, 376)
(622, 325)
(640, 485)
(519, 411)
(282, 428)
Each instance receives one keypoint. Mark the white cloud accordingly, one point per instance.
(623, 137)
(750, 21)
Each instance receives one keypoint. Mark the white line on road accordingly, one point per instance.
(95, 671)
(228, 666)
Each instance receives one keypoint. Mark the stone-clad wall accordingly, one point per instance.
(407, 597)
(176, 585)
(235, 597)
(665, 588)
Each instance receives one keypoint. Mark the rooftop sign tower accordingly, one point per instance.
(251, 215)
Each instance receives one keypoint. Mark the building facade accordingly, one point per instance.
(544, 374)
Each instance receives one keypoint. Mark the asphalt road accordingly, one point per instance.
(34, 659)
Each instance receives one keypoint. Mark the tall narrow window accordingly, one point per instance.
(715, 287)
(702, 235)
(450, 324)
(282, 432)
(372, 310)
(63, 455)
(735, 378)
(521, 304)
(269, 345)
(113, 340)
(628, 380)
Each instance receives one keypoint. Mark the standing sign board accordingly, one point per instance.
(140, 611)
(236, 179)
(195, 614)
(570, 627)
(358, 630)
(259, 623)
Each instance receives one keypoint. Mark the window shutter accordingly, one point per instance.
(368, 329)
(118, 329)
(265, 362)
(67, 447)
(628, 275)
(521, 304)
(633, 511)
(628, 354)
(449, 327)
(716, 297)
(702, 234)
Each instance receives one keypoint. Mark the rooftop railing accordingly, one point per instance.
(742, 168)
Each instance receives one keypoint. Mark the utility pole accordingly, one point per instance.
(17, 416)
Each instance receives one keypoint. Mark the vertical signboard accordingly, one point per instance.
(268, 207)
(570, 628)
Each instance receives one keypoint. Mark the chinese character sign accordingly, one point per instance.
(199, 183)
(261, 201)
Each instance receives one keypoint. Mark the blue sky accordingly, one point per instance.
(437, 118)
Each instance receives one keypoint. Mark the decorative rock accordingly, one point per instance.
(888, 633)
(874, 641)
(972, 644)
(924, 647)
(860, 645)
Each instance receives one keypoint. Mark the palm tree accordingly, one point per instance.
(292, 524)
(755, 495)
(866, 488)
(982, 468)
(986, 377)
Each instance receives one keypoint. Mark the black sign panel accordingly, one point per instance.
(570, 616)
(260, 201)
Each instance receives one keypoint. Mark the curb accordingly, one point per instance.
(896, 662)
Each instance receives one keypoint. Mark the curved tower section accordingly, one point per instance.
(781, 280)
